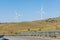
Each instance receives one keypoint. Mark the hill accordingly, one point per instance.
(39, 25)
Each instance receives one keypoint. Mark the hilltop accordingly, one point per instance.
(39, 25)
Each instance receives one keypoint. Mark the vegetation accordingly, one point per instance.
(40, 25)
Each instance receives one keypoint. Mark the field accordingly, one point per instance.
(38, 25)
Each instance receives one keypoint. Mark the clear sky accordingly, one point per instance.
(28, 10)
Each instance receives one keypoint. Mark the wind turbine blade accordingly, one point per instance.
(42, 12)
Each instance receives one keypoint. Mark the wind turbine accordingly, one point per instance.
(17, 16)
(41, 12)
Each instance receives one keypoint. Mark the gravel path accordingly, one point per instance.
(26, 38)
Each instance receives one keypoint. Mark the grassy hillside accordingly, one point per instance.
(40, 25)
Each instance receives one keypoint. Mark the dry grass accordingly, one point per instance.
(40, 25)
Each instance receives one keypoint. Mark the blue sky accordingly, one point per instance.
(29, 10)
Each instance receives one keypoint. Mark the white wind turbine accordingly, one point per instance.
(17, 16)
(5, 19)
(41, 12)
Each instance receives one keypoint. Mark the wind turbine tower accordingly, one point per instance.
(17, 16)
(41, 12)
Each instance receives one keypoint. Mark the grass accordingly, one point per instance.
(39, 25)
